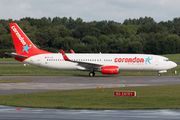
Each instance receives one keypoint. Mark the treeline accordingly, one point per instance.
(141, 35)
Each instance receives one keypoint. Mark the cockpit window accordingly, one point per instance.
(166, 60)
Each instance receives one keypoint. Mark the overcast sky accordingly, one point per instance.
(90, 10)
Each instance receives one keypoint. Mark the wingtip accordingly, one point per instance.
(72, 51)
(61, 51)
(64, 55)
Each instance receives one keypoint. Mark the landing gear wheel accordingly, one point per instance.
(91, 74)
(159, 74)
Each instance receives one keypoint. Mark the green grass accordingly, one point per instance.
(173, 57)
(33, 70)
(149, 97)
(12, 81)
(8, 60)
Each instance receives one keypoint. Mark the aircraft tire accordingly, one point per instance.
(159, 74)
(91, 74)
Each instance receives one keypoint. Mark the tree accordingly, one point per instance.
(143, 29)
(6, 42)
(148, 21)
(134, 47)
(100, 24)
(66, 43)
(106, 30)
(58, 43)
(90, 40)
(81, 48)
(3, 31)
(104, 39)
(128, 30)
(156, 29)
(97, 36)
(172, 44)
(82, 31)
(58, 31)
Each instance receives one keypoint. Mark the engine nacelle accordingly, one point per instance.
(110, 70)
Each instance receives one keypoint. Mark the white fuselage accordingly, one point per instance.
(125, 62)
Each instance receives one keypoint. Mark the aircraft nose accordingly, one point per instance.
(173, 64)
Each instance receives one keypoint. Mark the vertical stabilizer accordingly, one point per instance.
(22, 43)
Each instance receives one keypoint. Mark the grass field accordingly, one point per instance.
(8, 60)
(149, 97)
(173, 57)
(33, 70)
(12, 81)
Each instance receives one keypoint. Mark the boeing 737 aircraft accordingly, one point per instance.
(28, 53)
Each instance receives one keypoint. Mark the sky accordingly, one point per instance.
(91, 10)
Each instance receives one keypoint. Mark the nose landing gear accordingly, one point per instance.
(162, 71)
(159, 74)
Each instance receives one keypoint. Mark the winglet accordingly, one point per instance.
(64, 55)
(72, 51)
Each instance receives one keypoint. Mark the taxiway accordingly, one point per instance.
(52, 83)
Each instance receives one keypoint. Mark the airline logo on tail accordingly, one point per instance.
(21, 39)
(25, 48)
(18, 35)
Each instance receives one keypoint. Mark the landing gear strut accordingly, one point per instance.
(91, 74)
(159, 74)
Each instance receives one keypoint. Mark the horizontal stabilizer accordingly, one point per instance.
(15, 54)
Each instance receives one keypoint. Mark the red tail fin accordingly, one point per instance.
(22, 43)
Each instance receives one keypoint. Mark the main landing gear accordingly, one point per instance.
(91, 74)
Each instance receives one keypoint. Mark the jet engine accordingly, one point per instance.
(110, 69)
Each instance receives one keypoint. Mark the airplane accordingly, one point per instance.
(28, 53)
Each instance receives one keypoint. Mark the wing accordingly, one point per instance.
(80, 63)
